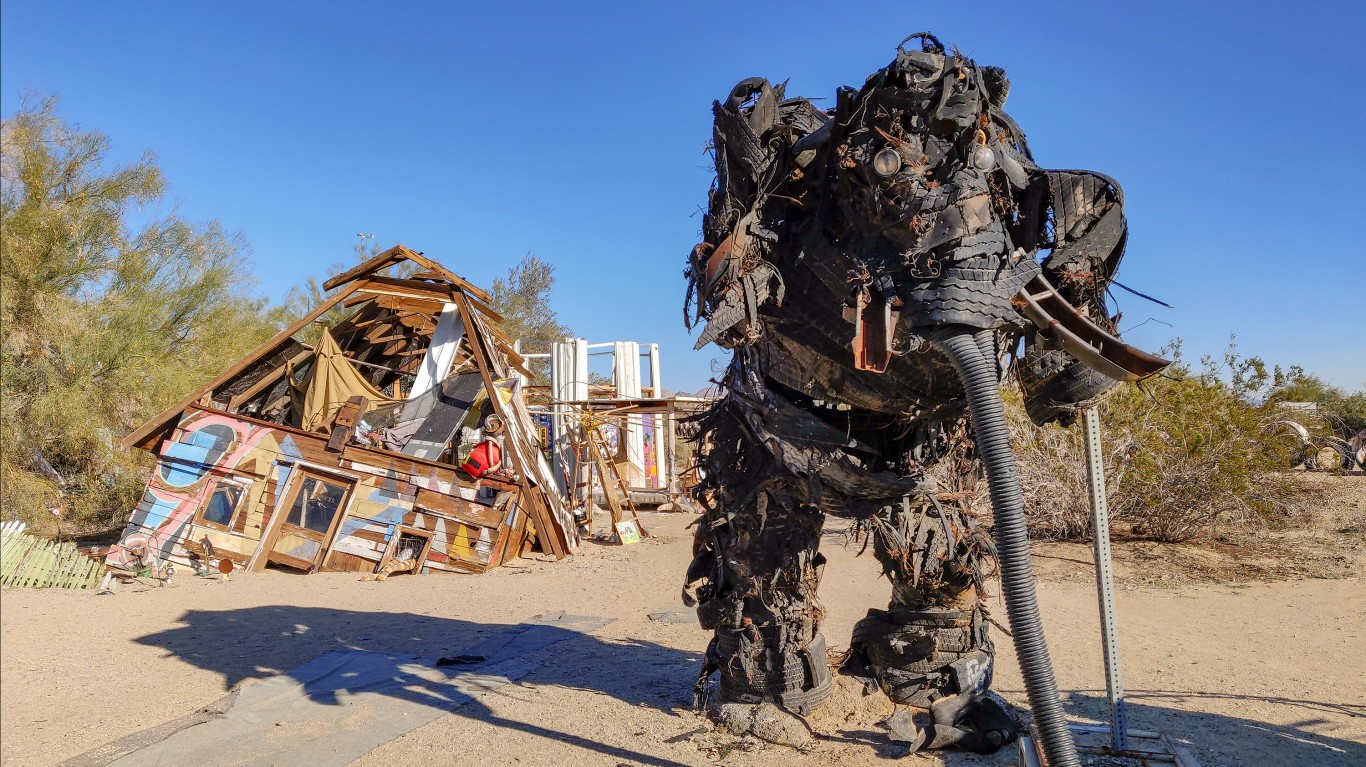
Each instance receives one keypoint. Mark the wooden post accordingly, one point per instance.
(271, 532)
(546, 524)
(670, 424)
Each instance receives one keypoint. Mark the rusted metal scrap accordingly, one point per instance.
(1320, 453)
(868, 266)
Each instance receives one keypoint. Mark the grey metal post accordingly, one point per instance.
(671, 442)
(1105, 579)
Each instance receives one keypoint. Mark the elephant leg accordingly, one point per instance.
(754, 580)
(930, 650)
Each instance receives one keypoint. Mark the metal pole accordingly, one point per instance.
(671, 436)
(1105, 579)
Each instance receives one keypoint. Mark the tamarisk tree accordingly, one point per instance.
(111, 307)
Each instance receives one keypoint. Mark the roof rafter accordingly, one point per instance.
(156, 428)
(399, 253)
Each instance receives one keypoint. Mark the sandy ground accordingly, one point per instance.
(1269, 673)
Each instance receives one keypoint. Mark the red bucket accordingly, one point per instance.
(483, 458)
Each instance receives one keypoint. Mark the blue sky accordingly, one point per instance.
(479, 133)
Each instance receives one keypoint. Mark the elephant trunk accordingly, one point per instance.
(972, 354)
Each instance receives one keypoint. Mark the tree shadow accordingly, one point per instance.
(269, 641)
(335, 653)
(1217, 738)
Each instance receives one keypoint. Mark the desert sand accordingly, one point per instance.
(1244, 672)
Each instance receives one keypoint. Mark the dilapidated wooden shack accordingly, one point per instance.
(337, 444)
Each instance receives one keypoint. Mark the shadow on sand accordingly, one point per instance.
(262, 642)
(1219, 738)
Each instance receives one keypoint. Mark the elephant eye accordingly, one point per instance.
(886, 162)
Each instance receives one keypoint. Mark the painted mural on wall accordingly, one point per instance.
(650, 432)
(193, 466)
(221, 479)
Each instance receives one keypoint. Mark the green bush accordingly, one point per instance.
(111, 308)
(1186, 457)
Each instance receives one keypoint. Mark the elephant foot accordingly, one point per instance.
(795, 678)
(919, 656)
(936, 664)
(980, 722)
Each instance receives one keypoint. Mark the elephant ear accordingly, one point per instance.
(1088, 216)
(997, 85)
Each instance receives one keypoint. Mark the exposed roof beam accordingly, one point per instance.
(400, 253)
(371, 286)
(157, 427)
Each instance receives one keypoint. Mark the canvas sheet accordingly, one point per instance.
(338, 707)
(329, 383)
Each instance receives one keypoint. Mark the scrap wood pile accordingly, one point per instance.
(386, 425)
(27, 561)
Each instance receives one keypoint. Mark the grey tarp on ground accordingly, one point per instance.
(340, 706)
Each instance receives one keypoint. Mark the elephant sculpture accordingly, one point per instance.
(870, 267)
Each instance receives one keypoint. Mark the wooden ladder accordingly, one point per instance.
(597, 448)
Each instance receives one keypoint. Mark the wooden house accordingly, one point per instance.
(336, 445)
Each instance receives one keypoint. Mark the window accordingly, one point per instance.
(316, 504)
(218, 511)
(313, 508)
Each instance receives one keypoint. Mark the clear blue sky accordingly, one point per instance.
(476, 134)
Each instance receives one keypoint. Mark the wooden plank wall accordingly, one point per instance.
(471, 522)
(467, 522)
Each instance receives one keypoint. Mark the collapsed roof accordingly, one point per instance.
(415, 355)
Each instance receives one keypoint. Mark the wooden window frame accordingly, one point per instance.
(241, 484)
(294, 484)
(392, 548)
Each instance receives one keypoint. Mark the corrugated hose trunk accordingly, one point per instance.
(966, 349)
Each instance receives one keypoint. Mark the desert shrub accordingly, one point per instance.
(1186, 456)
(112, 307)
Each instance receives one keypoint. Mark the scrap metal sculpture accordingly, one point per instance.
(873, 267)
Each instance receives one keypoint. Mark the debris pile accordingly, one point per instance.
(1321, 453)
(632, 425)
(383, 432)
